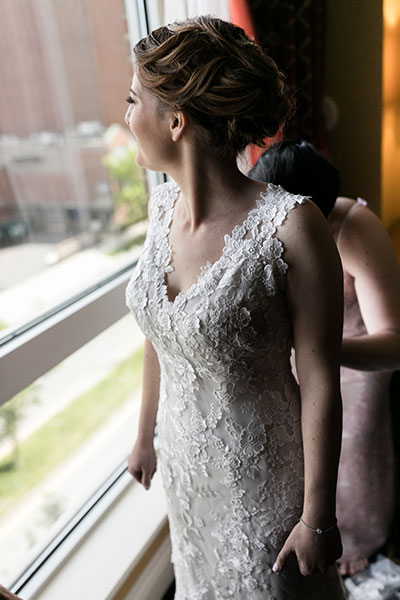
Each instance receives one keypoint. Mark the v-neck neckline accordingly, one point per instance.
(238, 231)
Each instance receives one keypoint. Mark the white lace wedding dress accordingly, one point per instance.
(229, 410)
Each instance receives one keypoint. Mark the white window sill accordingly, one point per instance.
(101, 559)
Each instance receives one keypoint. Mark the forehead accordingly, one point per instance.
(142, 92)
(136, 85)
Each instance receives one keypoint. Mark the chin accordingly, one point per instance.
(145, 164)
(139, 159)
(142, 162)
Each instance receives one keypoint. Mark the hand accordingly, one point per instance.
(142, 463)
(314, 552)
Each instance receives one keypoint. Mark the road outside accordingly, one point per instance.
(29, 286)
(33, 521)
(39, 516)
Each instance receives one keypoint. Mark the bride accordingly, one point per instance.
(233, 273)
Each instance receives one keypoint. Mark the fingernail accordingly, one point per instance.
(275, 568)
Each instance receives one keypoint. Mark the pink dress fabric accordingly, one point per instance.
(365, 497)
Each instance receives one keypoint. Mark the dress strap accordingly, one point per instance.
(276, 207)
(162, 202)
(278, 203)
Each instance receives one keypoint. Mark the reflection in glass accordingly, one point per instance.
(62, 437)
(72, 200)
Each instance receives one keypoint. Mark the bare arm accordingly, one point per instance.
(315, 302)
(372, 352)
(151, 389)
(368, 255)
(142, 461)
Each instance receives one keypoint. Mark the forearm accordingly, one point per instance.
(150, 394)
(321, 427)
(372, 352)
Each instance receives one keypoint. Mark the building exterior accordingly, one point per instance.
(65, 69)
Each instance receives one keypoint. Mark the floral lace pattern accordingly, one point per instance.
(229, 409)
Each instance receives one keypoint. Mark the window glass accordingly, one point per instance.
(62, 437)
(162, 12)
(72, 212)
(72, 199)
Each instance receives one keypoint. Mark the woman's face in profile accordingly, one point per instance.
(150, 126)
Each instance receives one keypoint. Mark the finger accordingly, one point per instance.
(146, 478)
(281, 558)
(305, 567)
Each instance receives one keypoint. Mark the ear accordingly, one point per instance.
(178, 124)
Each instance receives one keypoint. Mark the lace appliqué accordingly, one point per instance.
(229, 409)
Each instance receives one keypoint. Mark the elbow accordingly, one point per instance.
(393, 349)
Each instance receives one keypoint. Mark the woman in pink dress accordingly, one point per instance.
(371, 346)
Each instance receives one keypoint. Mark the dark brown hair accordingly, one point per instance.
(214, 72)
(301, 169)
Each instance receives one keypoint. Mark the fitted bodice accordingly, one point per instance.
(235, 308)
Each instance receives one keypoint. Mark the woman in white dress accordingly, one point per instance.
(231, 275)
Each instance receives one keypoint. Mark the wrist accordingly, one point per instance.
(319, 509)
(319, 521)
(145, 439)
(319, 530)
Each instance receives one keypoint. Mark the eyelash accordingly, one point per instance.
(130, 100)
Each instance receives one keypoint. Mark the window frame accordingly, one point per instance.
(103, 554)
(51, 338)
(71, 535)
(58, 335)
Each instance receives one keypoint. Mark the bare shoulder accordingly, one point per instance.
(361, 221)
(305, 230)
(368, 255)
(314, 290)
(303, 214)
(342, 208)
(365, 241)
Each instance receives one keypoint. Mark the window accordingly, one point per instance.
(72, 221)
(73, 207)
(62, 436)
(72, 199)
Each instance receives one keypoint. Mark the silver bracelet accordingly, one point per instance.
(318, 530)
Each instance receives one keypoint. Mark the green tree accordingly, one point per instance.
(131, 195)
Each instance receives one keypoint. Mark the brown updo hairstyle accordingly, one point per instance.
(219, 77)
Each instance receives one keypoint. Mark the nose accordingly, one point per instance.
(127, 115)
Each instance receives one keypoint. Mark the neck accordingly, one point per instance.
(208, 183)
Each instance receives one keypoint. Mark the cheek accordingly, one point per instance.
(134, 125)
